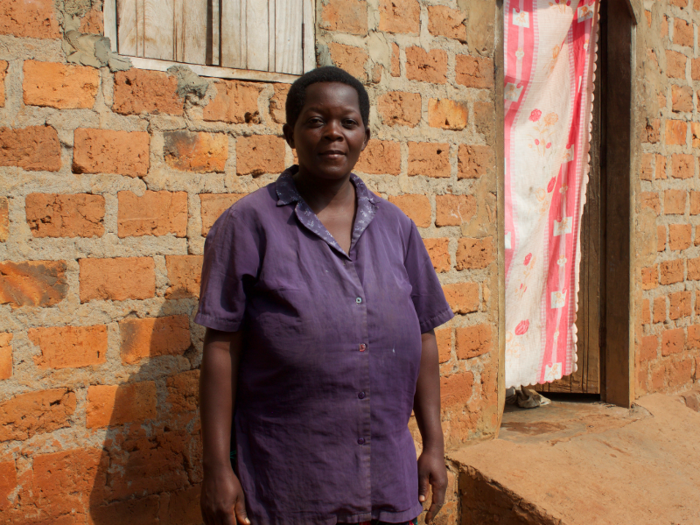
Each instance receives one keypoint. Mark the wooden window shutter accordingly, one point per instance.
(261, 35)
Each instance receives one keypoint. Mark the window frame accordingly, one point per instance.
(308, 57)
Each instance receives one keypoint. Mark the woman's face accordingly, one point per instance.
(329, 134)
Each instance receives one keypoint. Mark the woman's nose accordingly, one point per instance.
(333, 130)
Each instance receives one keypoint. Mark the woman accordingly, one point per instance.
(320, 302)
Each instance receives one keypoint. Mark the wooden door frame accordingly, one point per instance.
(617, 32)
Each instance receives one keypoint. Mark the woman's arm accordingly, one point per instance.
(426, 406)
(222, 495)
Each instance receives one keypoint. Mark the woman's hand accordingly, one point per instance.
(432, 471)
(222, 501)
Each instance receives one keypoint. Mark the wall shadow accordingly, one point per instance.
(150, 466)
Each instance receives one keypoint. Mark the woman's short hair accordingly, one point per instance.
(297, 93)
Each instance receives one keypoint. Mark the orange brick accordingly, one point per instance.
(5, 365)
(444, 21)
(33, 283)
(647, 166)
(236, 103)
(694, 336)
(694, 202)
(682, 32)
(57, 215)
(396, 60)
(154, 213)
(646, 312)
(652, 131)
(34, 148)
(660, 238)
(116, 405)
(695, 134)
(417, 207)
(36, 19)
(184, 275)
(183, 391)
(473, 341)
(694, 269)
(679, 373)
(153, 337)
(8, 483)
(674, 202)
(683, 166)
(439, 251)
(679, 305)
(198, 152)
(454, 210)
(475, 161)
(456, 389)
(142, 91)
(671, 271)
(475, 253)
(676, 132)
(4, 219)
(650, 199)
(3, 74)
(681, 98)
(672, 341)
(213, 205)
(61, 483)
(69, 346)
(259, 154)
(447, 114)
(474, 72)
(380, 157)
(106, 151)
(463, 298)
(277, 103)
(650, 277)
(649, 348)
(680, 236)
(426, 66)
(346, 16)
(399, 16)
(660, 167)
(399, 108)
(697, 303)
(26, 415)
(695, 68)
(350, 58)
(660, 309)
(59, 85)
(675, 64)
(117, 279)
(429, 158)
(444, 344)
(93, 21)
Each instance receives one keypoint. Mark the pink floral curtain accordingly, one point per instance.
(550, 48)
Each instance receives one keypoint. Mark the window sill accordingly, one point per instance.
(213, 71)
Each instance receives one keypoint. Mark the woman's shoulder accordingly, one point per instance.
(248, 210)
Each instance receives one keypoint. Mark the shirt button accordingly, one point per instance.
(361, 395)
(361, 441)
(358, 300)
(363, 347)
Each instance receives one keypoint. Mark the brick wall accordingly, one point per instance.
(110, 183)
(667, 200)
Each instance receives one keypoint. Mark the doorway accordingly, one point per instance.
(604, 351)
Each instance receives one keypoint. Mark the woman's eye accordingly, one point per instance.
(315, 121)
(350, 123)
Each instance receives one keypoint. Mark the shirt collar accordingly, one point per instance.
(287, 193)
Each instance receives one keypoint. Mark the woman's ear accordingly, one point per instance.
(367, 135)
(288, 132)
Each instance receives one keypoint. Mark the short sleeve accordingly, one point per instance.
(231, 260)
(427, 295)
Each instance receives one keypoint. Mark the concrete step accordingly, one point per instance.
(587, 464)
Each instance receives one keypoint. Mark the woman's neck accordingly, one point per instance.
(320, 194)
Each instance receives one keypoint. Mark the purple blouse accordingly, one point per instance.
(331, 354)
